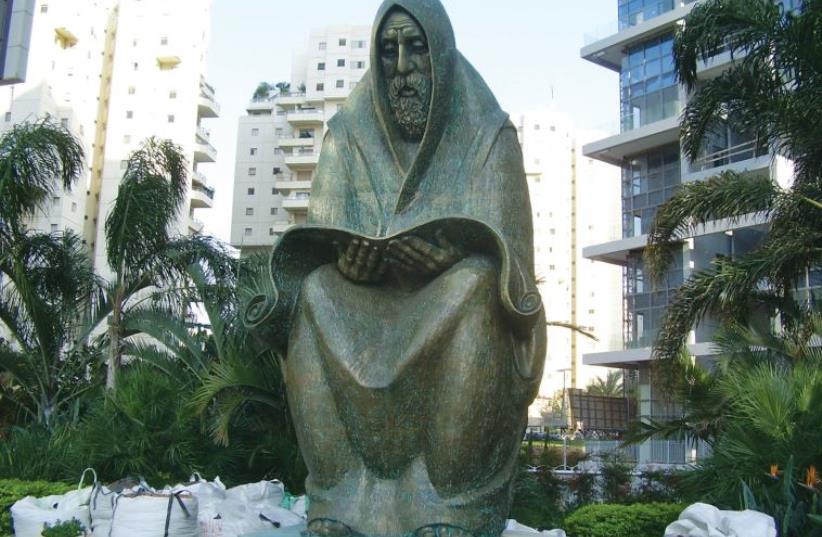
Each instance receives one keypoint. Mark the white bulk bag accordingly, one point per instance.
(101, 508)
(155, 514)
(211, 497)
(30, 514)
(703, 520)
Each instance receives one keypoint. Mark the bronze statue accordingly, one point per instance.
(406, 310)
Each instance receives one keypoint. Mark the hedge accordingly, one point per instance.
(608, 520)
(12, 490)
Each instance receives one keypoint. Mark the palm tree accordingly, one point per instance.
(238, 384)
(150, 265)
(35, 160)
(45, 304)
(772, 92)
(611, 386)
(46, 281)
(283, 87)
(262, 92)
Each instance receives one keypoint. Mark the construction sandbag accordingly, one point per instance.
(155, 514)
(211, 501)
(703, 520)
(30, 514)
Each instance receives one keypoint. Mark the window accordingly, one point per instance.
(274, 192)
(536, 127)
(129, 114)
(44, 8)
(552, 267)
(249, 211)
(171, 118)
(54, 228)
(273, 211)
(320, 86)
(74, 206)
(252, 151)
(172, 94)
(358, 65)
(341, 63)
(323, 45)
(136, 66)
(247, 232)
(132, 90)
(126, 138)
(55, 201)
(358, 44)
(343, 42)
(340, 83)
(278, 151)
(252, 171)
(321, 66)
(123, 164)
(278, 132)
(553, 231)
(255, 132)
(250, 191)
(277, 170)
(64, 122)
(8, 116)
(164, 40)
(134, 42)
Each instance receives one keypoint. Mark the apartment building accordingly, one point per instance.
(575, 202)
(116, 72)
(279, 140)
(647, 151)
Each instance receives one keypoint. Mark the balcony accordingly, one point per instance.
(202, 197)
(194, 225)
(302, 160)
(204, 152)
(206, 102)
(607, 51)
(616, 148)
(198, 178)
(292, 98)
(203, 134)
(637, 358)
(296, 141)
(303, 117)
(297, 203)
(289, 185)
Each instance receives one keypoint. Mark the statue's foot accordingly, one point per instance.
(325, 527)
(442, 530)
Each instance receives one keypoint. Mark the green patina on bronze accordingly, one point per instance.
(406, 309)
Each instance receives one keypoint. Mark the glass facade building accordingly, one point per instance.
(633, 12)
(648, 88)
(648, 180)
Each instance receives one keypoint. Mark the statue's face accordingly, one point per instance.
(406, 65)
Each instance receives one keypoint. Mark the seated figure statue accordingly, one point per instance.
(406, 311)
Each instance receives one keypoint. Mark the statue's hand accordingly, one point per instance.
(360, 262)
(414, 254)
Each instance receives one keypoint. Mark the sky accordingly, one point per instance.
(526, 50)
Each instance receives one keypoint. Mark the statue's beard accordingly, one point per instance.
(410, 111)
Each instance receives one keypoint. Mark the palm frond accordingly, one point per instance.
(32, 156)
(149, 198)
(729, 195)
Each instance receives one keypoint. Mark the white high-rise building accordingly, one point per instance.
(575, 203)
(116, 72)
(279, 141)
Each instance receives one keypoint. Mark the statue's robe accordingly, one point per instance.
(410, 400)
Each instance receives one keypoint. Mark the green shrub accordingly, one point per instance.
(637, 520)
(537, 499)
(69, 528)
(583, 487)
(12, 490)
(616, 481)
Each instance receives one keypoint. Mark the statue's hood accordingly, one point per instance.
(434, 21)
